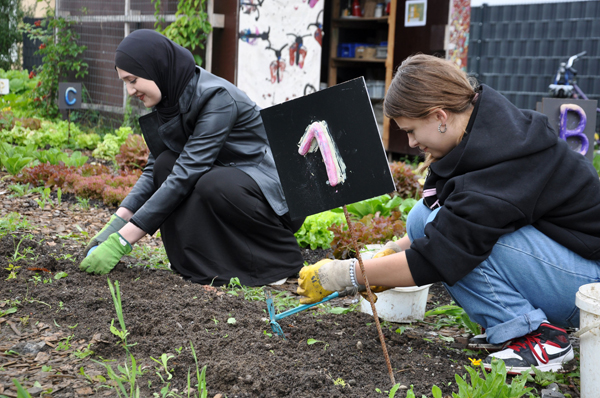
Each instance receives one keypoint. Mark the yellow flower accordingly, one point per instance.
(475, 362)
(597, 136)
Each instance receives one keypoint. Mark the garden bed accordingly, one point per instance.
(62, 320)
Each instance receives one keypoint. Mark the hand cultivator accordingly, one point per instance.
(276, 317)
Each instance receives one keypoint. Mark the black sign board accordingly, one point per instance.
(69, 95)
(343, 124)
(580, 121)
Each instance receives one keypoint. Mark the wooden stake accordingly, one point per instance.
(370, 296)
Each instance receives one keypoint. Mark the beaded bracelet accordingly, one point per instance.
(353, 273)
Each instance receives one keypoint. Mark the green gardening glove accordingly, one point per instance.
(102, 260)
(114, 225)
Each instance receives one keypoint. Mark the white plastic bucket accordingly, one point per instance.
(400, 304)
(588, 301)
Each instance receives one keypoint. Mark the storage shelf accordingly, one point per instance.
(363, 30)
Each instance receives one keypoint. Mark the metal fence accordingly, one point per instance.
(516, 49)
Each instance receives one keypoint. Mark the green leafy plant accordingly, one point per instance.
(453, 315)
(493, 384)
(191, 27)
(314, 231)
(383, 205)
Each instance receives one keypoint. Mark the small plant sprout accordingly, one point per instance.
(313, 341)
(64, 344)
(164, 358)
(123, 333)
(200, 377)
(231, 321)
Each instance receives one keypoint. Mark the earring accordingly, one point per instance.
(440, 128)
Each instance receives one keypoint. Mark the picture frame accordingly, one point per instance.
(415, 13)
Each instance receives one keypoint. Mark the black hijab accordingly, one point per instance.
(148, 54)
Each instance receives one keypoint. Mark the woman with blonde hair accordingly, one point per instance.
(509, 221)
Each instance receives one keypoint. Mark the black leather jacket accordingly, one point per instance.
(218, 125)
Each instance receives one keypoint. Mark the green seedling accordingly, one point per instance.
(231, 321)
(178, 350)
(313, 341)
(64, 344)
(36, 279)
(44, 198)
(12, 269)
(8, 311)
(83, 353)
(46, 368)
(200, 377)
(123, 333)
(11, 222)
(128, 374)
(267, 333)
(164, 358)
(452, 315)
(60, 275)
(84, 203)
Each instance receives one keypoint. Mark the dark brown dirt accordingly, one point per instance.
(164, 314)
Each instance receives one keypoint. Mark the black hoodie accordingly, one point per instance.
(510, 170)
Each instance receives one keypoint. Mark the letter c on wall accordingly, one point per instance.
(70, 101)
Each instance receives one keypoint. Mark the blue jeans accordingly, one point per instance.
(528, 278)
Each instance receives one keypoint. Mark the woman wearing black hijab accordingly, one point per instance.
(210, 185)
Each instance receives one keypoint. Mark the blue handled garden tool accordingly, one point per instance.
(276, 317)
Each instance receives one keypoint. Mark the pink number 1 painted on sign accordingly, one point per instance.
(316, 136)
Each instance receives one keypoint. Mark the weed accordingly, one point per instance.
(282, 301)
(44, 198)
(313, 341)
(123, 333)
(84, 203)
(83, 353)
(7, 311)
(452, 315)
(20, 190)
(64, 344)
(128, 374)
(200, 377)
(12, 222)
(151, 257)
(13, 271)
(164, 358)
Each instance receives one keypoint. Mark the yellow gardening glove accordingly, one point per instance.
(388, 249)
(319, 280)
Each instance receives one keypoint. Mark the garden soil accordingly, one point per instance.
(43, 345)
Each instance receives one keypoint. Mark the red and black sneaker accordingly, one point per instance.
(547, 349)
